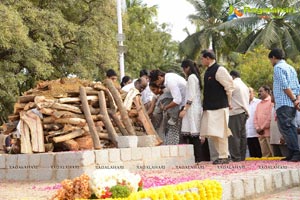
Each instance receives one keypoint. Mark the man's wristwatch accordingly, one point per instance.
(293, 100)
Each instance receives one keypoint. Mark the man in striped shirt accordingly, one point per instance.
(286, 90)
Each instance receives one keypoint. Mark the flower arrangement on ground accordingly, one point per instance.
(114, 183)
(101, 184)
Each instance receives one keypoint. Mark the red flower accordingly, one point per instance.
(107, 193)
(141, 183)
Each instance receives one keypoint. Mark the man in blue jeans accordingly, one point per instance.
(286, 91)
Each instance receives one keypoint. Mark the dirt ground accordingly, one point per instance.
(16, 190)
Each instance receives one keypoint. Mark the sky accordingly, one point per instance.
(174, 13)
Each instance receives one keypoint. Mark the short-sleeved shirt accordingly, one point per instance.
(285, 77)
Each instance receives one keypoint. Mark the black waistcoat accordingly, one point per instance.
(214, 93)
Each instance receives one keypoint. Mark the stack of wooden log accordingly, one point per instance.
(72, 114)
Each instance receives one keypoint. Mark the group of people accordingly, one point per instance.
(228, 116)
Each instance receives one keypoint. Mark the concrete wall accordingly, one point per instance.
(61, 165)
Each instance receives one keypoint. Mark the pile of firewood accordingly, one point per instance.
(72, 114)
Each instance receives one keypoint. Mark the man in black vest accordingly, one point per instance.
(218, 87)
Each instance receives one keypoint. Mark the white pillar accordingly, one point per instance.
(120, 39)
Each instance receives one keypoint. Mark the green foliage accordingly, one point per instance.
(256, 69)
(210, 14)
(45, 39)
(270, 29)
(120, 191)
(149, 45)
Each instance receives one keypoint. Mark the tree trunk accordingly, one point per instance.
(76, 99)
(124, 115)
(90, 122)
(72, 145)
(85, 142)
(26, 98)
(9, 127)
(18, 107)
(74, 121)
(68, 136)
(144, 118)
(36, 130)
(52, 127)
(118, 122)
(106, 120)
(25, 138)
(13, 118)
(59, 106)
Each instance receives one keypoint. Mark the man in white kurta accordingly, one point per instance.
(218, 88)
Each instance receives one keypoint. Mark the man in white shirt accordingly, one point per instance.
(147, 95)
(176, 85)
(139, 84)
(252, 137)
(218, 87)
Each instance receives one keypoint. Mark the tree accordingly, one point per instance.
(255, 67)
(209, 15)
(149, 44)
(45, 39)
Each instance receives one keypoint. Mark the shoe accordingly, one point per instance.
(171, 122)
(288, 158)
(295, 158)
(236, 160)
(221, 161)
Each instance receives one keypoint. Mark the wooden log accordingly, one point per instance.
(9, 127)
(106, 120)
(52, 127)
(104, 136)
(85, 142)
(99, 86)
(26, 98)
(76, 99)
(39, 99)
(36, 130)
(47, 111)
(112, 103)
(66, 114)
(94, 111)
(144, 118)
(25, 138)
(66, 131)
(49, 147)
(72, 145)
(124, 115)
(48, 120)
(68, 136)
(12, 118)
(29, 106)
(74, 121)
(118, 122)
(18, 107)
(90, 122)
(59, 106)
(132, 113)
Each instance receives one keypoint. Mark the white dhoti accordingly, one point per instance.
(214, 125)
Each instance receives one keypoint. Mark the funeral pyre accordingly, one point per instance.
(75, 114)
